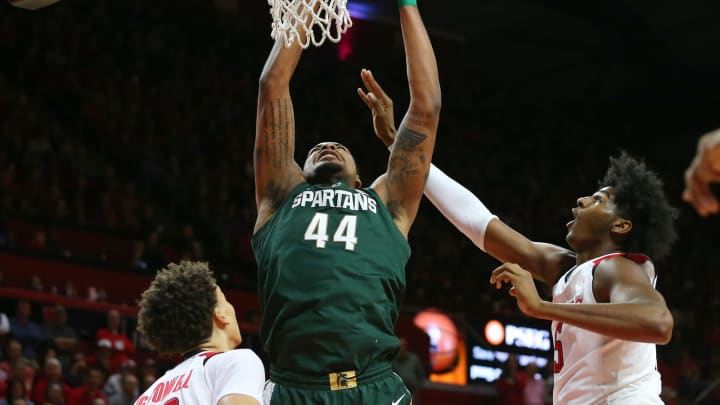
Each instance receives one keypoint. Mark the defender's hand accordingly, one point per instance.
(523, 287)
(381, 106)
(704, 169)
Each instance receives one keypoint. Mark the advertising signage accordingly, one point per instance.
(497, 338)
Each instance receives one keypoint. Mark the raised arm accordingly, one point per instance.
(461, 207)
(276, 172)
(412, 152)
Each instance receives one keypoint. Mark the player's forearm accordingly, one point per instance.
(422, 69)
(649, 322)
(275, 168)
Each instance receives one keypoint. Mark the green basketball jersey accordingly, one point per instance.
(331, 277)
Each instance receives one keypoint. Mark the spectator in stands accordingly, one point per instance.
(120, 343)
(61, 337)
(152, 254)
(138, 261)
(51, 376)
(36, 283)
(113, 385)
(188, 247)
(16, 394)
(148, 373)
(12, 361)
(25, 330)
(38, 243)
(510, 386)
(74, 377)
(90, 390)
(535, 391)
(70, 290)
(4, 332)
(102, 358)
(24, 371)
(55, 395)
(129, 392)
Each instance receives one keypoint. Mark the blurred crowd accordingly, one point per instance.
(50, 363)
(136, 119)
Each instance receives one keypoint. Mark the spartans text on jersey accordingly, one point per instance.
(358, 200)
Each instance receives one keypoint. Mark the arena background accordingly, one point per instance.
(126, 132)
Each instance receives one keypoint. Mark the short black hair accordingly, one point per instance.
(639, 197)
(176, 311)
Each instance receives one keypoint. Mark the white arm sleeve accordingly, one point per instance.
(237, 371)
(459, 206)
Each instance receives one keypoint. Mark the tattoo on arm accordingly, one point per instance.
(405, 163)
(408, 139)
(275, 167)
(277, 132)
(408, 167)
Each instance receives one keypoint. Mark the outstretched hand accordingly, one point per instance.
(523, 287)
(381, 107)
(704, 169)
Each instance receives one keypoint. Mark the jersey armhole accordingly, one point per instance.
(381, 203)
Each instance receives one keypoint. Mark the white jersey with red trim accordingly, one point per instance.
(206, 377)
(591, 368)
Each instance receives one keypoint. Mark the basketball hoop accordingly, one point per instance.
(317, 19)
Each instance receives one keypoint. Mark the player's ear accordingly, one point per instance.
(621, 226)
(358, 181)
(220, 317)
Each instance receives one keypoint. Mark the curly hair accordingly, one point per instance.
(176, 311)
(638, 196)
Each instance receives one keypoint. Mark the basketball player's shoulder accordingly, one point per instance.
(620, 269)
(621, 262)
(242, 357)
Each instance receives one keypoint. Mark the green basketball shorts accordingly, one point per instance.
(376, 386)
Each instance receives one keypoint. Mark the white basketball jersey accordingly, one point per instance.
(595, 369)
(205, 377)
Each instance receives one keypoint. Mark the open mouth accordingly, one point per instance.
(572, 221)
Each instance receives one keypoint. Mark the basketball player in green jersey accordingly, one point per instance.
(331, 255)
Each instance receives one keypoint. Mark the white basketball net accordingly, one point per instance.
(293, 17)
